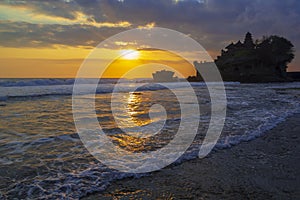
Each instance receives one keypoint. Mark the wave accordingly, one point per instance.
(253, 109)
(12, 88)
(34, 82)
(50, 81)
(40, 91)
(96, 177)
(70, 81)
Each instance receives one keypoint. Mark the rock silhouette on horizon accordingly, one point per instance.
(248, 62)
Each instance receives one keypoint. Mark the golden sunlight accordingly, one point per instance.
(129, 54)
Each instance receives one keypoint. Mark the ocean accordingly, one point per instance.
(42, 156)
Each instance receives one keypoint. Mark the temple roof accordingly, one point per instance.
(230, 46)
(238, 44)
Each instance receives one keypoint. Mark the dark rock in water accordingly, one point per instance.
(264, 61)
(295, 76)
(164, 76)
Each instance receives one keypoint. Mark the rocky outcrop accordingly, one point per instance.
(248, 62)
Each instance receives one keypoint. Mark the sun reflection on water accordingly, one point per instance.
(138, 105)
(140, 118)
(138, 108)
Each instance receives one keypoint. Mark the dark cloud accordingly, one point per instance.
(22, 34)
(49, 7)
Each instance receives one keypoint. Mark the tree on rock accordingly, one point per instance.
(275, 50)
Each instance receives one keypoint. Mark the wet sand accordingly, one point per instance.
(265, 168)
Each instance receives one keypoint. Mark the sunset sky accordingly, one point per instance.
(51, 38)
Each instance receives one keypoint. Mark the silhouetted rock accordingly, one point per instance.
(295, 76)
(265, 61)
(164, 76)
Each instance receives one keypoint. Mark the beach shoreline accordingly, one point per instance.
(267, 167)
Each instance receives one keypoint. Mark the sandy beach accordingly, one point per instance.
(265, 168)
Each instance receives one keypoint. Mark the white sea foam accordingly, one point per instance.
(46, 87)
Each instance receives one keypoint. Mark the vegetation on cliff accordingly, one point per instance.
(264, 60)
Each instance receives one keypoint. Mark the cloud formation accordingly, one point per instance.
(213, 23)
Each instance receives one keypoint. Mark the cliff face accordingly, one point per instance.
(248, 62)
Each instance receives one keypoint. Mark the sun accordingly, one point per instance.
(129, 54)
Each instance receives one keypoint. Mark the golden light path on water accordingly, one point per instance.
(134, 109)
(142, 120)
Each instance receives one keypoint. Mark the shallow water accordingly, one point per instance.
(43, 157)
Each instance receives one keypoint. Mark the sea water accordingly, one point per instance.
(42, 155)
